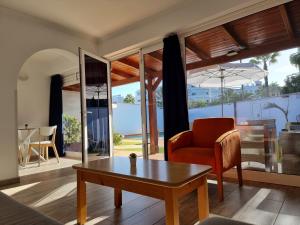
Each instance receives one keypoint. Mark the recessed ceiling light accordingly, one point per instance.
(232, 53)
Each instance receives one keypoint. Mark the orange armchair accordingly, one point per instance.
(212, 141)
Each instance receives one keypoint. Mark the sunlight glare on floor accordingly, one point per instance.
(90, 222)
(62, 191)
(250, 210)
(15, 190)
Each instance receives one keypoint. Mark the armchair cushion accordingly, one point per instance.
(180, 140)
(207, 131)
(194, 155)
(228, 149)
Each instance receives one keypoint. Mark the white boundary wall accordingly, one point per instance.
(127, 117)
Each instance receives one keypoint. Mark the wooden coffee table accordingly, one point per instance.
(167, 181)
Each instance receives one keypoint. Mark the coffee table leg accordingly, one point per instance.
(118, 198)
(172, 210)
(81, 200)
(203, 202)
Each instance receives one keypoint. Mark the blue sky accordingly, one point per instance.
(126, 89)
(277, 73)
(283, 67)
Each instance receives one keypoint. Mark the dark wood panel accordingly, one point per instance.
(214, 42)
(123, 68)
(190, 56)
(152, 63)
(270, 30)
(259, 50)
(293, 11)
(260, 28)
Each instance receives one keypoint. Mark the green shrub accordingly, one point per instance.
(117, 138)
(71, 129)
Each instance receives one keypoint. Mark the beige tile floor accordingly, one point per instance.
(51, 164)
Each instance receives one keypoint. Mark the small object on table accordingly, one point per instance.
(132, 158)
(26, 126)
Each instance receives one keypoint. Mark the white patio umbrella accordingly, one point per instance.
(229, 74)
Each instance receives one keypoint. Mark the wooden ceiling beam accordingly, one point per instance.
(122, 73)
(195, 49)
(233, 36)
(156, 55)
(286, 21)
(153, 73)
(135, 65)
(117, 77)
(156, 83)
(73, 87)
(246, 53)
(125, 81)
(113, 78)
(130, 63)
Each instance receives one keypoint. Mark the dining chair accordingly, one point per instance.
(23, 145)
(47, 136)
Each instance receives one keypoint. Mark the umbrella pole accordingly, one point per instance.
(222, 93)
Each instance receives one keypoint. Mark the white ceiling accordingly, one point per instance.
(49, 62)
(97, 18)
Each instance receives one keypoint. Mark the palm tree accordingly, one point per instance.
(266, 60)
(295, 59)
(275, 106)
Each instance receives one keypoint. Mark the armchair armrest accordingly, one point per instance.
(228, 149)
(180, 140)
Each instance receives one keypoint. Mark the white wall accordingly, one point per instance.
(254, 110)
(34, 81)
(33, 101)
(22, 36)
(126, 118)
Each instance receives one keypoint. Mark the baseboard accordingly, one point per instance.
(10, 181)
(265, 177)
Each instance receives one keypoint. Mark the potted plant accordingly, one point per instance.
(132, 157)
(71, 131)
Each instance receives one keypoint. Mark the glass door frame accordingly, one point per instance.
(142, 91)
(143, 52)
(84, 132)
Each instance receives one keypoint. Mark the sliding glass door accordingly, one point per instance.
(126, 105)
(95, 106)
(153, 103)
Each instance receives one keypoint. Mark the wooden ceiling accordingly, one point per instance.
(267, 31)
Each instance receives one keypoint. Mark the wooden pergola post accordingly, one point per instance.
(151, 87)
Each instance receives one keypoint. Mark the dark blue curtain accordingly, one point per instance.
(56, 111)
(174, 91)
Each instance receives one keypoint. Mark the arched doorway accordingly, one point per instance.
(33, 100)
